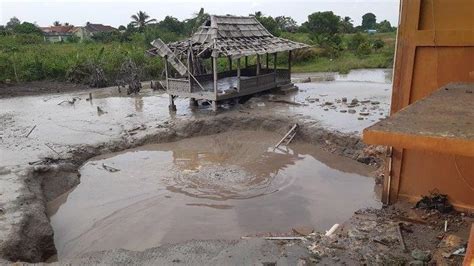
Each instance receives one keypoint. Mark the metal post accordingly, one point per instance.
(258, 64)
(238, 74)
(214, 69)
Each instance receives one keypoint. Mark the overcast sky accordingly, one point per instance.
(118, 12)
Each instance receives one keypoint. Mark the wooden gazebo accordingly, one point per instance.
(231, 37)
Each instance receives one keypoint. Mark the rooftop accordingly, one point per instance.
(234, 36)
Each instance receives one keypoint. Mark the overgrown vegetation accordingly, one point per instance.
(336, 46)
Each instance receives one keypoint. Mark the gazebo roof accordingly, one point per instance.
(235, 37)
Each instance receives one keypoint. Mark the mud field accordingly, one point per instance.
(51, 177)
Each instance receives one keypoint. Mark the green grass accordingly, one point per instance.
(32, 59)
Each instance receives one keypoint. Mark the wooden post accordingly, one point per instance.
(189, 70)
(214, 69)
(238, 74)
(258, 64)
(289, 65)
(275, 66)
(171, 106)
(246, 61)
(267, 61)
(230, 63)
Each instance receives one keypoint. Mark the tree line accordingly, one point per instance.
(321, 26)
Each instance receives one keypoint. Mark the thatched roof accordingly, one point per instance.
(235, 37)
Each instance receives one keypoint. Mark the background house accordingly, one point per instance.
(57, 33)
(91, 29)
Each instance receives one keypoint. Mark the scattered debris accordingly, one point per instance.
(72, 101)
(285, 238)
(288, 137)
(110, 168)
(31, 130)
(284, 101)
(100, 111)
(400, 237)
(435, 201)
(332, 230)
(51, 148)
(303, 230)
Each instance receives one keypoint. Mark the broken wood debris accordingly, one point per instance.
(72, 101)
(110, 168)
(288, 137)
(400, 238)
(51, 148)
(285, 101)
(31, 130)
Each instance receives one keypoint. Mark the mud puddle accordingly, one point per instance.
(221, 186)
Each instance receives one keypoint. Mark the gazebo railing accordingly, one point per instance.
(257, 83)
(179, 85)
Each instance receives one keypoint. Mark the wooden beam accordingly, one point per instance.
(166, 73)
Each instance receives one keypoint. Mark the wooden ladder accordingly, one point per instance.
(288, 137)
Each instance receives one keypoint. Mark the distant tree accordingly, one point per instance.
(286, 23)
(268, 22)
(122, 27)
(14, 21)
(192, 24)
(66, 24)
(346, 25)
(172, 24)
(384, 26)
(56, 23)
(141, 19)
(27, 28)
(323, 23)
(369, 21)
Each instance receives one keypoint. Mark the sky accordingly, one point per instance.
(118, 12)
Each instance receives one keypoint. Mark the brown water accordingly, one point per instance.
(214, 187)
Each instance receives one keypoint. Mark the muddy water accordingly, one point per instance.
(214, 187)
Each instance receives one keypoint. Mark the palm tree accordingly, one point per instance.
(56, 23)
(140, 20)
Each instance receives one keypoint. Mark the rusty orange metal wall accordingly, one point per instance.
(435, 46)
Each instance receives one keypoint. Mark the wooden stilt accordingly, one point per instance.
(246, 62)
(230, 63)
(214, 69)
(238, 74)
(172, 106)
(258, 64)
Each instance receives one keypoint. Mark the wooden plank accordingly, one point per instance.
(442, 122)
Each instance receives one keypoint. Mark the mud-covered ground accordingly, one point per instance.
(46, 138)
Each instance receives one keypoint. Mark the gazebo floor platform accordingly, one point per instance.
(227, 87)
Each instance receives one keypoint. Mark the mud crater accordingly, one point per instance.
(220, 186)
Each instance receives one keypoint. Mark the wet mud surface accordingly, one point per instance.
(215, 187)
(45, 138)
